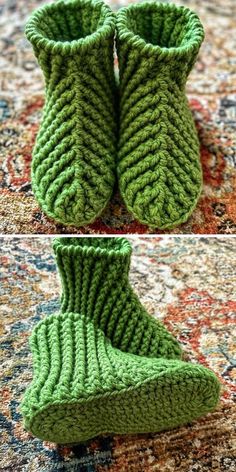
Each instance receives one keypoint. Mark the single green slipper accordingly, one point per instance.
(83, 387)
(159, 168)
(73, 167)
(95, 282)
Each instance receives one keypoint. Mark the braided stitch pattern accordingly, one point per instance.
(73, 167)
(95, 282)
(159, 168)
(82, 386)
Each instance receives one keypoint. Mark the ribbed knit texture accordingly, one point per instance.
(159, 169)
(83, 387)
(95, 283)
(74, 157)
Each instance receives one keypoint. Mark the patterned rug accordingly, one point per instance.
(189, 284)
(212, 94)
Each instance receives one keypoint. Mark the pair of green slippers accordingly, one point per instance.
(103, 365)
(94, 131)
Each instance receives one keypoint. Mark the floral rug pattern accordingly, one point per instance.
(188, 283)
(212, 94)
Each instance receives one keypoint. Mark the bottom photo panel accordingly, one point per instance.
(118, 354)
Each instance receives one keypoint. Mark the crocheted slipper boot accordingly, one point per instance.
(95, 281)
(159, 168)
(83, 387)
(73, 168)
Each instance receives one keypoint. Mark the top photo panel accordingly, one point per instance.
(117, 117)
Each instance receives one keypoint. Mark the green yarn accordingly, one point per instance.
(83, 387)
(95, 282)
(159, 168)
(73, 168)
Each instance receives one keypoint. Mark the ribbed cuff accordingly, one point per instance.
(69, 27)
(164, 30)
(109, 248)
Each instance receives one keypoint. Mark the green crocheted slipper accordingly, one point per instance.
(95, 282)
(73, 168)
(159, 168)
(83, 387)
